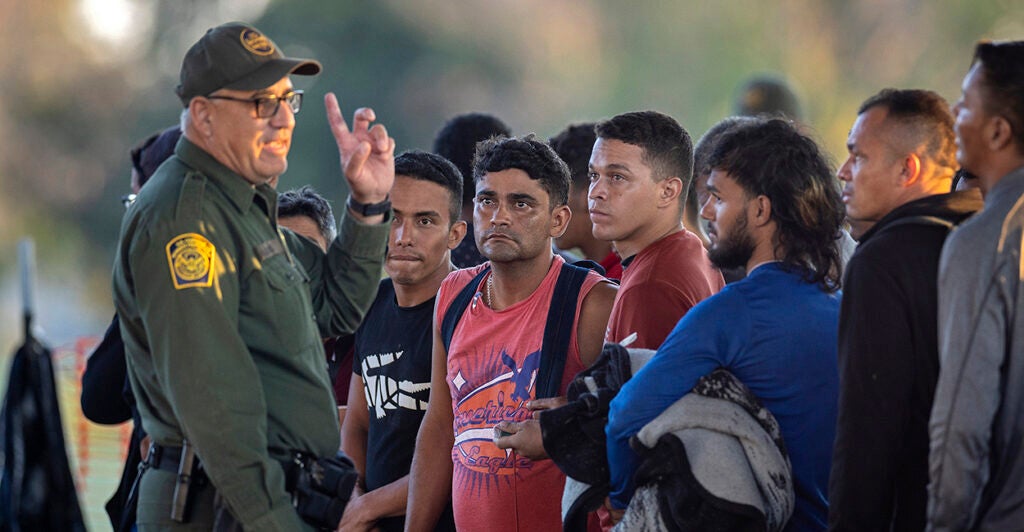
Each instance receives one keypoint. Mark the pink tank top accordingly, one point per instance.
(492, 371)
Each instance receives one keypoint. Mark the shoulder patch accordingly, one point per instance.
(191, 257)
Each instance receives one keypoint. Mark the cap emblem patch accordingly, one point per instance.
(256, 42)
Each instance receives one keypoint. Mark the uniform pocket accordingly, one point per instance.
(285, 304)
(281, 274)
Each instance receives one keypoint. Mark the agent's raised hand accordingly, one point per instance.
(367, 155)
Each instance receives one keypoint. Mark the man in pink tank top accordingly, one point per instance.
(639, 172)
(491, 366)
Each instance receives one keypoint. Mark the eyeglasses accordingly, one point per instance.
(267, 106)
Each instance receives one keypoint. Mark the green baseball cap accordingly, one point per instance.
(236, 56)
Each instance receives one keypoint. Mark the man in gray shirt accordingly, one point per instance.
(976, 461)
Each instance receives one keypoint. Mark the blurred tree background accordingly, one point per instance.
(85, 79)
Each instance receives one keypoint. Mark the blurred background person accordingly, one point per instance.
(307, 213)
(768, 95)
(574, 144)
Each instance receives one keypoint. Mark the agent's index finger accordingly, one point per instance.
(334, 116)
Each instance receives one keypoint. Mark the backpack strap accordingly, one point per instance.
(922, 220)
(458, 307)
(558, 330)
(591, 265)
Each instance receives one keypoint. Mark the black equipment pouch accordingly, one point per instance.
(320, 488)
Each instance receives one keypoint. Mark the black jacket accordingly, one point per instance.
(888, 367)
(107, 399)
(106, 396)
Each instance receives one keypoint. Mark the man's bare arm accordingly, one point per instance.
(593, 322)
(356, 428)
(430, 481)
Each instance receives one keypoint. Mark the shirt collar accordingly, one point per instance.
(239, 191)
(1008, 183)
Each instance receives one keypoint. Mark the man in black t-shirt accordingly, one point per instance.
(391, 369)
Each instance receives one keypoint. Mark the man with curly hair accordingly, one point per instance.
(494, 361)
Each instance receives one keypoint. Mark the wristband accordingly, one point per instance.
(369, 209)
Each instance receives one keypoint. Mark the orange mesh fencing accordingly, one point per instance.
(96, 452)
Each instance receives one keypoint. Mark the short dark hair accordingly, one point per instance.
(306, 202)
(149, 153)
(425, 166)
(925, 119)
(667, 147)
(771, 157)
(574, 145)
(530, 155)
(1002, 64)
(457, 142)
(768, 95)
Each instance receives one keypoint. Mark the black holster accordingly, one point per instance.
(168, 458)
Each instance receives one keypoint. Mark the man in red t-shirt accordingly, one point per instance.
(640, 170)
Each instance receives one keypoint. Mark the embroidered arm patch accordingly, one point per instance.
(190, 257)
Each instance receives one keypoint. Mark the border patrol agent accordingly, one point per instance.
(222, 311)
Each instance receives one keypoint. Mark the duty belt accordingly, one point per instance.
(167, 458)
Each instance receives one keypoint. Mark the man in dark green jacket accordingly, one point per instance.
(222, 311)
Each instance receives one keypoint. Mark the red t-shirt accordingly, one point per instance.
(661, 283)
(492, 371)
(612, 265)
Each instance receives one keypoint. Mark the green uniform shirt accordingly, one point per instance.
(222, 326)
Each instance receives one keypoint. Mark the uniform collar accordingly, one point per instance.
(239, 191)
